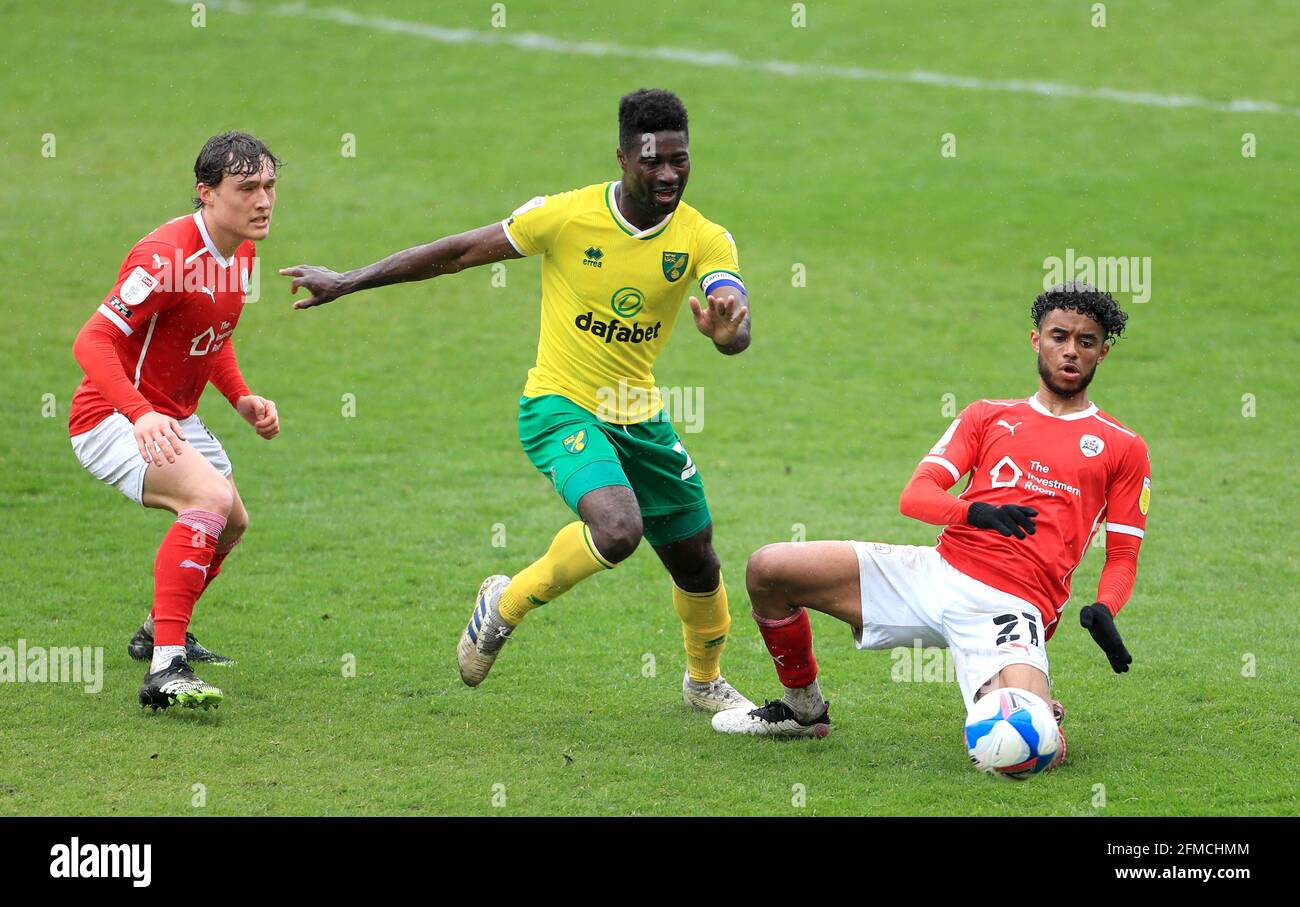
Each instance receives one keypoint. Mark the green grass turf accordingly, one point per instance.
(370, 534)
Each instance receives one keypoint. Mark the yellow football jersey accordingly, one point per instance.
(611, 294)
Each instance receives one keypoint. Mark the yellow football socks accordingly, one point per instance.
(571, 558)
(705, 622)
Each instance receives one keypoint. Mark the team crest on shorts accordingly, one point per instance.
(675, 265)
(1091, 445)
(577, 442)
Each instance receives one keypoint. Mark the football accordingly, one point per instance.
(1011, 733)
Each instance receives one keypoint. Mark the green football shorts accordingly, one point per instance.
(579, 452)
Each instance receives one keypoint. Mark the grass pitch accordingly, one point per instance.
(372, 527)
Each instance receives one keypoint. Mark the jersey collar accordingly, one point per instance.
(1036, 405)
(611, 203)
(208, 243)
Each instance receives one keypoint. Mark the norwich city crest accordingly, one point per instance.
(576, 442)
(675, 265)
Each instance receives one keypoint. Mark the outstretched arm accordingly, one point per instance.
(724, 315)
(444, 256)
(725, 321)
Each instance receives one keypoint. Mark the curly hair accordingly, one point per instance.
(236, 153)
(648, 110)
(1087, 300)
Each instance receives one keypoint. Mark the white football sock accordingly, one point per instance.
(806, 702)
(162, 657)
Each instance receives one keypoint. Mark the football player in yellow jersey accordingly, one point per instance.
(617, 259)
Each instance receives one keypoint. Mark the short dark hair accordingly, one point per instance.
(1077, 296)
(649, 110)
(236, 153)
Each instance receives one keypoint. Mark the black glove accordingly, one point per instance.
(1097, 620)
(1008, 519)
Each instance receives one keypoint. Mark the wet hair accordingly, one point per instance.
(234, 153)
(1087, 300)
(648, 110)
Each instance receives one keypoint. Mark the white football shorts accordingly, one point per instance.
(109, 452)
(910, 594)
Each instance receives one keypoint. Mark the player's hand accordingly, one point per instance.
(1006, 519)
(158, 438)
(260, 413)
(720, 319)
(323, 284)
(1098, 621)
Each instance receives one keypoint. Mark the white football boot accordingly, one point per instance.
(773, 719)
(485, 634)
(715, 696)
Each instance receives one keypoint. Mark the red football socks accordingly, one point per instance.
(789, 642)
(180, 572)
(218, 559)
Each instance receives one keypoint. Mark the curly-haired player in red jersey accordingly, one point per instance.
(160, 336)
(1045, 473)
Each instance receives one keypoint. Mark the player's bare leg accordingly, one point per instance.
(141, 645)
(700, 599)
(1028, 677)
(609, 532)
(202, 499)
(783, 581)
(1020, 676)
(613, 516)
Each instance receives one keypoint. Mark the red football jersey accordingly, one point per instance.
(175, 303)
(1075, 470)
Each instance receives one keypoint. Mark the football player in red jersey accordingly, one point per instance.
(1045, 473)
(161, 335)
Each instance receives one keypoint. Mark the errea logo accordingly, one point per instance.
(594, 254)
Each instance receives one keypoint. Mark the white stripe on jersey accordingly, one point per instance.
(115, 318)
(144, 349)
(1131, 434)
(956, 476)
(505, 229)
(1125, 530)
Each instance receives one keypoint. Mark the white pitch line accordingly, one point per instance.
(539, 43)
